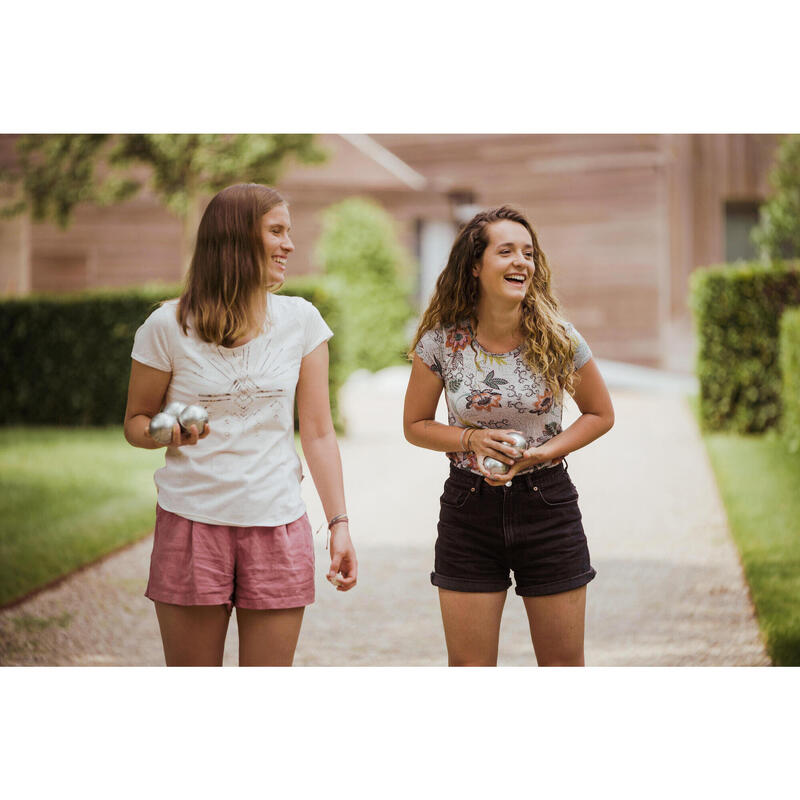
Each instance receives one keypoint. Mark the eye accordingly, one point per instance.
(529, 255)
(504, 252)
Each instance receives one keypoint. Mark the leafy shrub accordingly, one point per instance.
(65, 359)
(370, 273)
(790, 377)
(737, 310)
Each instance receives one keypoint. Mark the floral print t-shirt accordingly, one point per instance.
(493, 390)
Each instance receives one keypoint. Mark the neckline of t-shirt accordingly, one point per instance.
(489, 352)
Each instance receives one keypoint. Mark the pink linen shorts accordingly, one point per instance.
(198, 564)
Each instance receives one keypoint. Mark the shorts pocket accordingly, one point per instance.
(558, 494)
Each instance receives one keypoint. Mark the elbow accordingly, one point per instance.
(609, 421)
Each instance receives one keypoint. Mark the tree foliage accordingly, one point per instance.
(56, 172)
(777, 234)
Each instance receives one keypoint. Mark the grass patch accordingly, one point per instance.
(758, 480)
(68, 497)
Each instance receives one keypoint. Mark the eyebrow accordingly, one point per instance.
(511, 244)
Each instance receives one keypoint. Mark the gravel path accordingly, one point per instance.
(669, 589)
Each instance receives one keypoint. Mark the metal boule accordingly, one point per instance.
(520, 442)
(193, 415)
(495, 467)
(175, 408)
(160, 428)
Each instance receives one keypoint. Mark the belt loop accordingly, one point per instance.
(529, 479)
(477, 482)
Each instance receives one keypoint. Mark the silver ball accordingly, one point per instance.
(193, 415)
(520, 442)
(495, 467)
(160, 428)
(174, 408)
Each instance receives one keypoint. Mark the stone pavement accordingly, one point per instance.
(669, 589)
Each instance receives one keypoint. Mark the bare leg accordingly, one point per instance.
(557, 624)
(471, 626)
(193, 636)
(268, 638)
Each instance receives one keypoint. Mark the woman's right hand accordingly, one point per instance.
(492, 443)
(179, 438)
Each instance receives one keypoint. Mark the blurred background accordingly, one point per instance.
(622, 219)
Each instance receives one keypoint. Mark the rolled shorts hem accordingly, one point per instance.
(177, 599)
(468, 584)
(274, 603)
(556, 587)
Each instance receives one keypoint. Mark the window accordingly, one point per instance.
(740, 219)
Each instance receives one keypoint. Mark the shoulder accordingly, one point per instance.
(582, 351)
(292, 305)
(164, 317)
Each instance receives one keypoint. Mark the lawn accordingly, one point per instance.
(67, 497)
(760, 485)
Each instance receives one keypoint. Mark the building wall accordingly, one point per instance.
(622, 219)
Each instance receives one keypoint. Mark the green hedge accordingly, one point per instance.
(370, 271)
(790, 377)
(65, 359)
(737, 309)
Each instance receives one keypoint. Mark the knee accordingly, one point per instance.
(471, 663)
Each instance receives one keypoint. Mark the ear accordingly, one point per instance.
(476, 269)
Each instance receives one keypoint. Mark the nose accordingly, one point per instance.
(287, 245)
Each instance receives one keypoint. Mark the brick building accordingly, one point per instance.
(623, 220)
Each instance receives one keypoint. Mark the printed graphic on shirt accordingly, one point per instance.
(493, 390)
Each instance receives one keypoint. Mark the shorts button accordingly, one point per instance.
(535, 488)
(472, 489)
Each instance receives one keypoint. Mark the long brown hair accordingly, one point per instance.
(229, 265)
(547, 347)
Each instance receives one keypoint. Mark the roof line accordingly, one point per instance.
(388, 160)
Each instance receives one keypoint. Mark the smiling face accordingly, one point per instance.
(506, 268)
(275, 227)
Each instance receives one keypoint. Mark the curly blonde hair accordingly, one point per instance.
(547, 347)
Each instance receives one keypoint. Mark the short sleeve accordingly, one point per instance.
(429, 349)
(151, 341)
(316, 329)
(582, 351)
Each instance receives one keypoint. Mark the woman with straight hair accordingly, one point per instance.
(231, 526)
(493, 339)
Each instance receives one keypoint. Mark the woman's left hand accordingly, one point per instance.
(343, 559)
(530, 458)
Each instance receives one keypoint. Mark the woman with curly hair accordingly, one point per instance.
(493, 339)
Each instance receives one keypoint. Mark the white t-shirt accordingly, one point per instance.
(246, 471)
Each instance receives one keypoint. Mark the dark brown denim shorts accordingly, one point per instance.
(532, 528)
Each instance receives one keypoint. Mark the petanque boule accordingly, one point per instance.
(175, 408)
(520, 442)
(495, 467)
(160, 428)
(193, 415)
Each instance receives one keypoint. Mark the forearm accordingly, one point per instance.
(323, 459)
(433, 435)
(583, 431)
(135, 432)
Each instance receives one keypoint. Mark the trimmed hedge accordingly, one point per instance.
(737, 309)
(790, 377)
(65, 359)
